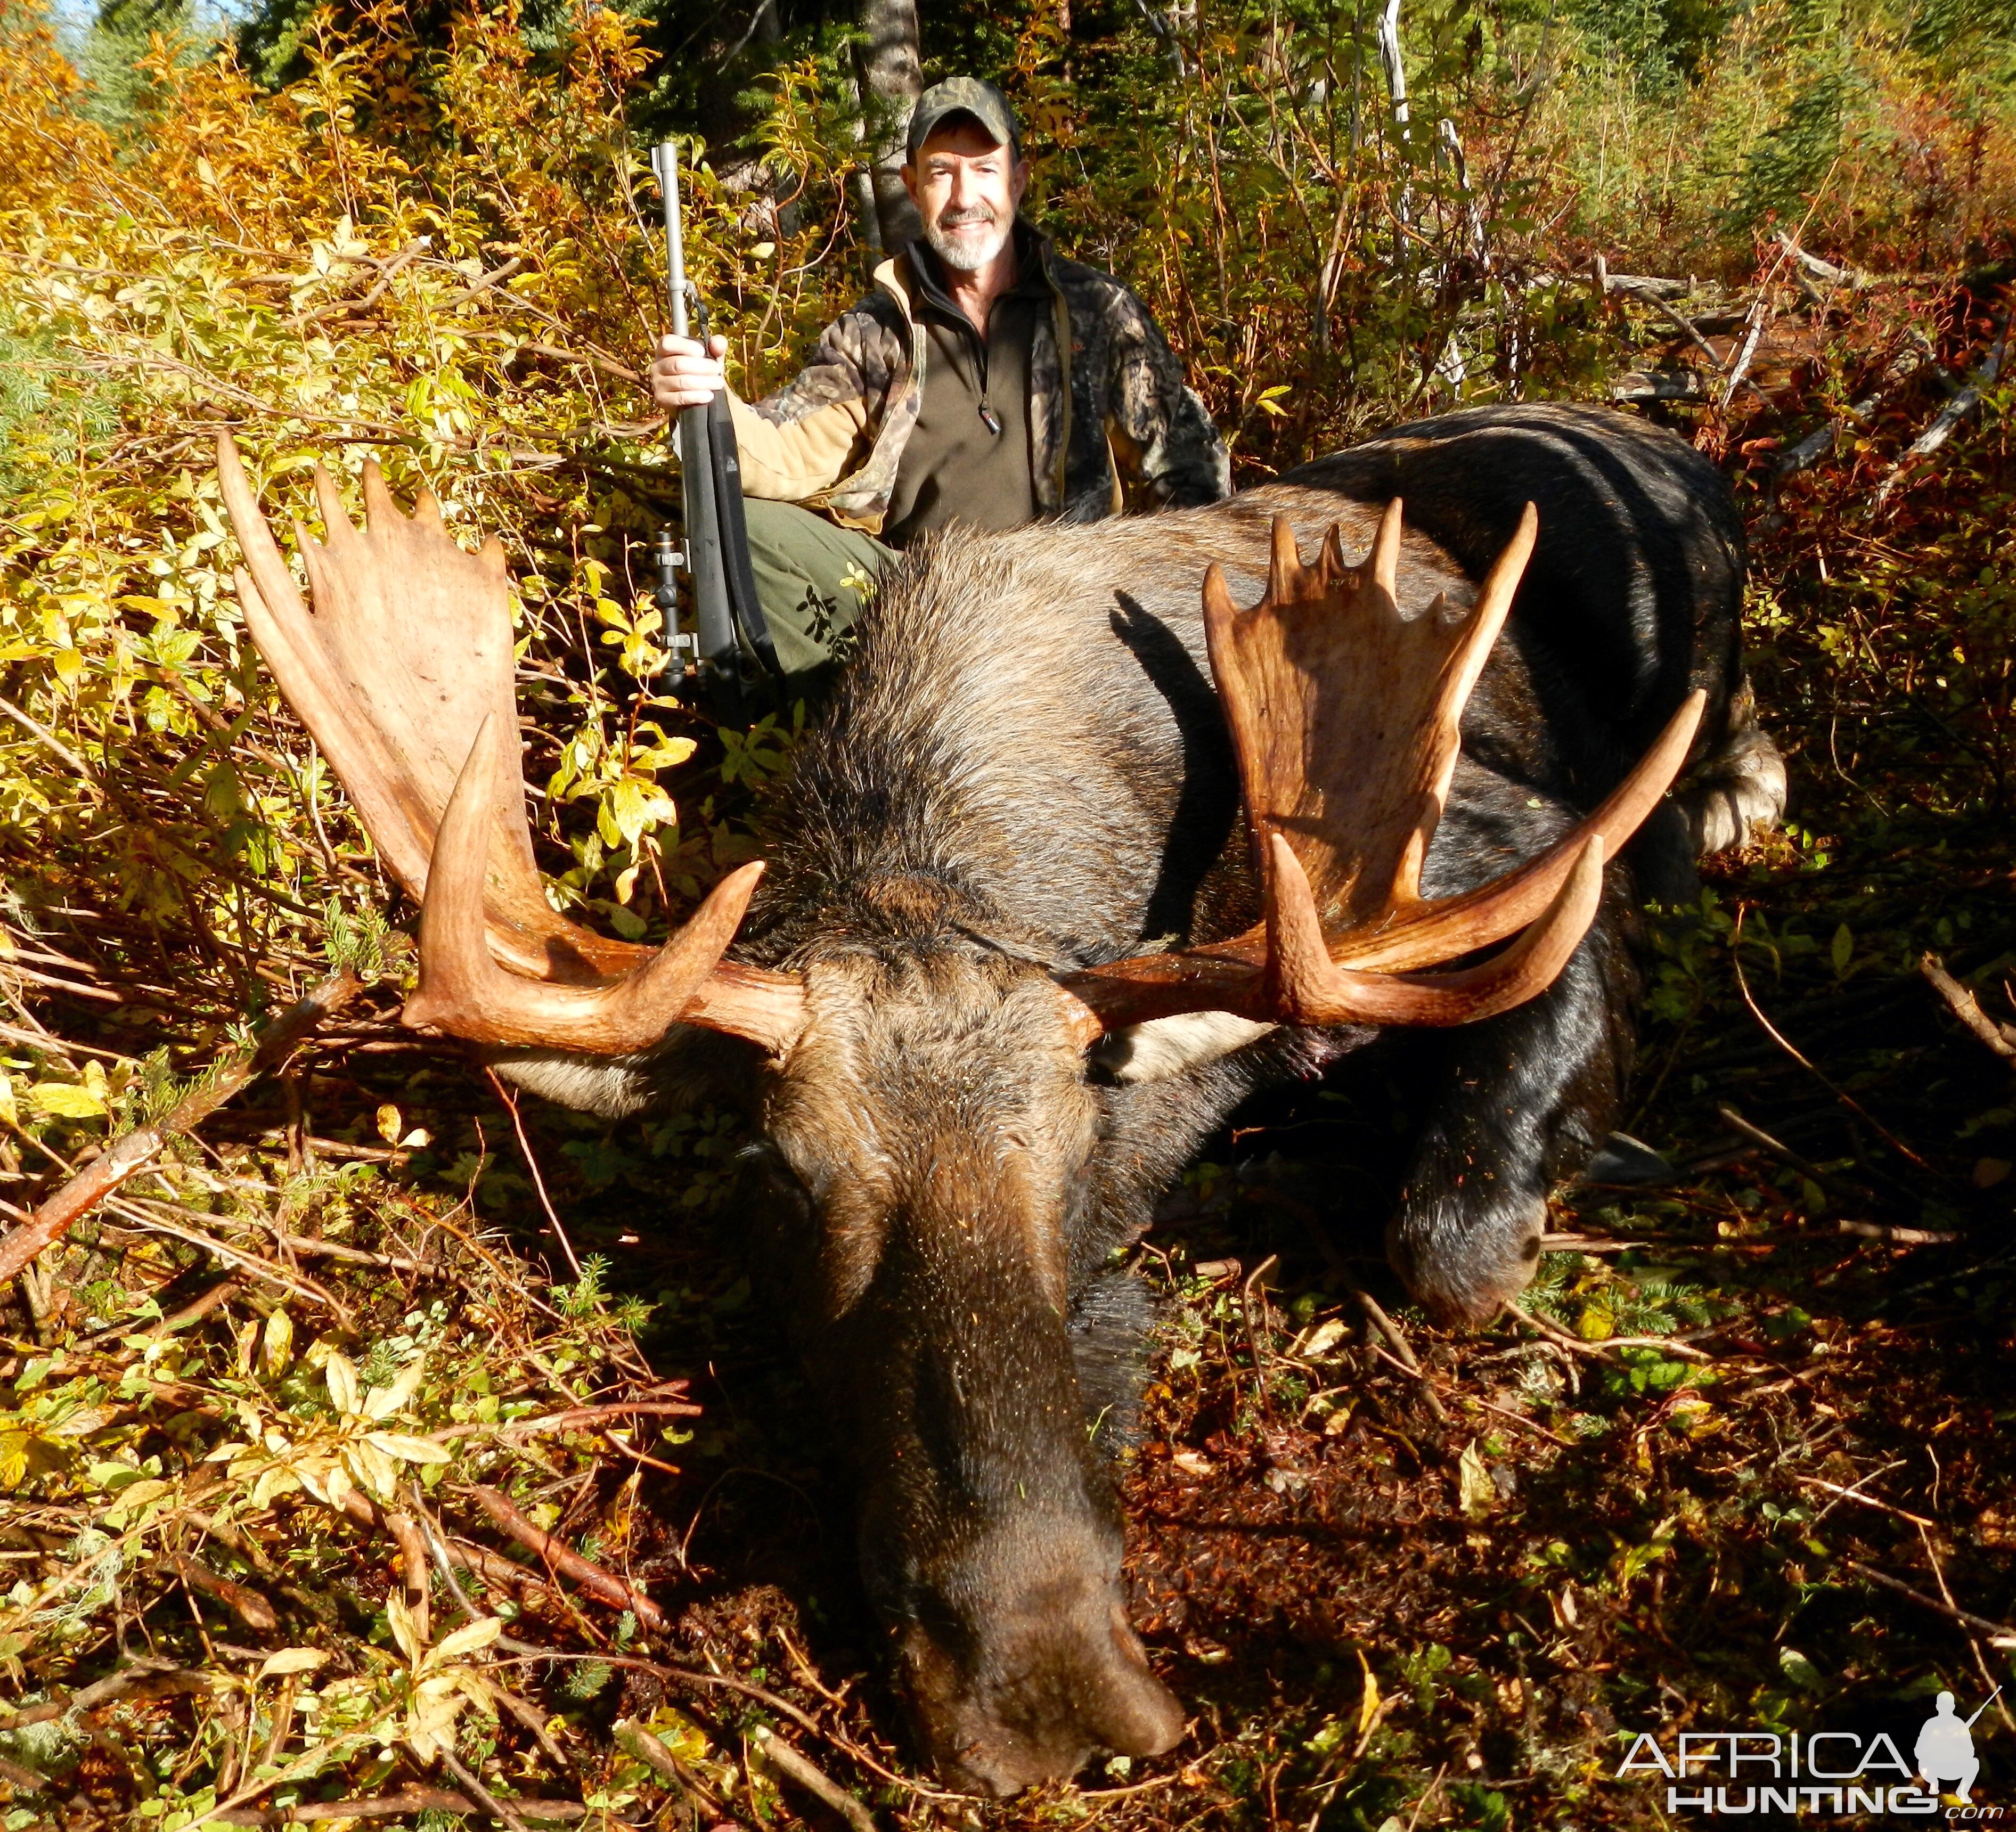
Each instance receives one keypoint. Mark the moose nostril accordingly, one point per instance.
(1139, 1715)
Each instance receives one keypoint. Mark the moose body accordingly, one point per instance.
(1025, 774)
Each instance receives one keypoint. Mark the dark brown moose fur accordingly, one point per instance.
(1023, 771)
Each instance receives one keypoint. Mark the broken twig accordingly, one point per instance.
(605, 1586)
(138, 1148)
(1947, 418)
(786, 1761)
(2001, 1038)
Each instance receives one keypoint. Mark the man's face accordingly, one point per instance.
(966, 189)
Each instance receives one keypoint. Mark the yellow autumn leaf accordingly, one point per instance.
(373, 1469)
(65, 1100)
(290, 1659)
(277, 1347)
(342, 1378)
(465, 1640)
(276, 1480)
(1475, 1492)
(406, 1447)
(381, 1402)
(405, 1628)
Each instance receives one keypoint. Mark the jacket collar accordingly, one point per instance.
(913, 278)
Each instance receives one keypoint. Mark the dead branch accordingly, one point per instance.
(1600, 1350)
(1821, 270)
(146, 1681)
(786, 1761)
(405, 1534)
(605, 1586)
(496, 1809)
(1825, 1180)
(1948, 418)
(1685, 324)
(246, 1604)
(407, 1802)
(1684, 384)
(1899, 1237)
(83, 771)
(553, 353)
(1961, 1002)
(299, 1284)
(1402, 1349)
(22, 1780)
(2007, 1635)
(1873, 1501)
(1759, 315)
(652, 1751)
(136, 1149)
(478, 287)
(356, 308)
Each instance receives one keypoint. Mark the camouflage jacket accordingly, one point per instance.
(1112, 423)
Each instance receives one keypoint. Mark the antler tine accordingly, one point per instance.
(1476, 919)
(1308, 987)
(1494, 604)
(463, 991)
(1460, 670)
(336, 523)
(1331, 562)
(1384, 559)
(1218, 608)
(380, 510)
(263, 557)
(1284, 568)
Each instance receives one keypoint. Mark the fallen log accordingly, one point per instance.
(1660, 384)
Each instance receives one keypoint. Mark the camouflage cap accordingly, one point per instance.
(964, 95)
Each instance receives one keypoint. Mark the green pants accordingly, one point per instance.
(810, 578)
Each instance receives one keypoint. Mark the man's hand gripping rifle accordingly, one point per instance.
(729, 646)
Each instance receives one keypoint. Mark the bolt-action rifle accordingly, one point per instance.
(729, 648)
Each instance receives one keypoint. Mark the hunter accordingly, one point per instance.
(984, 380)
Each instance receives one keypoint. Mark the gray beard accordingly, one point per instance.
(967, 257)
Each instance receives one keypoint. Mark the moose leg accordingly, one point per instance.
(1527, 1098)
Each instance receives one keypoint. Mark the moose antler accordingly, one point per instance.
(1345, 717)
(403, 673)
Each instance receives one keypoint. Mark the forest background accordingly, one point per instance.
(371, 1353)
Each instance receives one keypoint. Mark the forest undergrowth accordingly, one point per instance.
(379, 1440)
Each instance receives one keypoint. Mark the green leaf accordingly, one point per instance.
(1800, 1671)
(1843, 951)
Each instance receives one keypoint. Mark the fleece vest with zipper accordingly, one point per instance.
(1111, 424)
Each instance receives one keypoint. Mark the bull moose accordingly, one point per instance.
(1044, 905)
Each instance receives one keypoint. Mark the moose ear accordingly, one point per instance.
(690, 1067)
(1166, 1047)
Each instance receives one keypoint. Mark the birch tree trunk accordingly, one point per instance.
(891, 80)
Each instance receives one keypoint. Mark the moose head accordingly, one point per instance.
(933, 1130)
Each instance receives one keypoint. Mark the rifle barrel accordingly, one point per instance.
(665, 163)
(713, 618)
